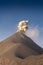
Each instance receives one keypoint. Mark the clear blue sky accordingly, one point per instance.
(13, 11)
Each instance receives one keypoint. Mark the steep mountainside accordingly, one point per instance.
(21, 44)
(21, 49)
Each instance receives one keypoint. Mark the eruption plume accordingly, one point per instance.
(23, 25)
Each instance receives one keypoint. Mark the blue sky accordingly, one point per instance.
(13, 11)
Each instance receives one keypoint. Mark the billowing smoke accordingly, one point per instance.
(23, 25)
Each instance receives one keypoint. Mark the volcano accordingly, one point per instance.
(19, 49)
(19, 45)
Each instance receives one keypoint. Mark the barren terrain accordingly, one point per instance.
(20, 50)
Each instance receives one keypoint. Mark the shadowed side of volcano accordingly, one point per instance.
(26, 46)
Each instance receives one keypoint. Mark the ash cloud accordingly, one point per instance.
(23, 25)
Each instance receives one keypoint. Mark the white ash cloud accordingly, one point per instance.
(23, 25)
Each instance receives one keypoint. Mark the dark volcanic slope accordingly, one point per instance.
(19, 45)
